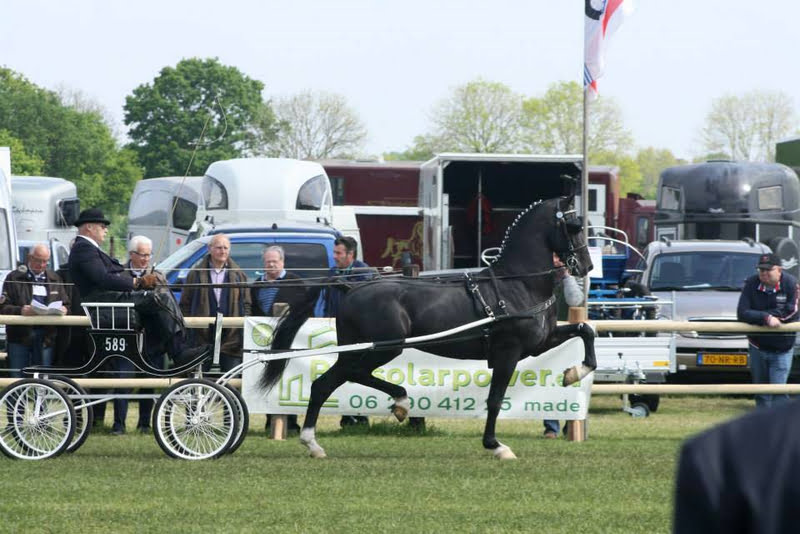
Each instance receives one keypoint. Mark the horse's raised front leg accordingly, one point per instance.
(501, 374)
(587, 333)
(321, 389)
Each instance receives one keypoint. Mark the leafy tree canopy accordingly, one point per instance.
(199, 102)
(22, 163)
(71, 143)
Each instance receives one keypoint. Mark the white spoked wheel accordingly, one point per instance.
(84, 415)
(195, 420)
(37, 420)
(243, 416)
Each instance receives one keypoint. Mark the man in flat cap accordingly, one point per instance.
(770, 298)
(101, 278)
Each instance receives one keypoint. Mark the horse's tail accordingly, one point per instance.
(284, 335)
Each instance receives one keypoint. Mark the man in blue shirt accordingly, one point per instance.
(348, 269)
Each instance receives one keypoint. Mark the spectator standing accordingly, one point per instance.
(31, 345)
(347, 269)
(568, 293)
(770, 298)
(200, 299)
(276, 286)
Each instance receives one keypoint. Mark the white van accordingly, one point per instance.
(165, 210)
(44, 208)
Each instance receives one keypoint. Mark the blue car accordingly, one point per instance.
(309, 252)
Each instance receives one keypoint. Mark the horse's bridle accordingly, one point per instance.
(570, 223)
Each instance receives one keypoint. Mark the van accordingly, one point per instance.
(166, 210)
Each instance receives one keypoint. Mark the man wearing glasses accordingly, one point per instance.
(770, 298)
(31, 345)
(101, 278)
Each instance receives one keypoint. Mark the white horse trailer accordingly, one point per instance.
(166, 210)
(259, 192)
(262, 190)
(44, 208)
(8, 233)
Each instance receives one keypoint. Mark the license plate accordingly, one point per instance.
(715, 358)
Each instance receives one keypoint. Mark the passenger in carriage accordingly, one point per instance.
(31, 345)
(101, 278)
(140, 251)
(272, 294)
(347, 269)
(199, 299)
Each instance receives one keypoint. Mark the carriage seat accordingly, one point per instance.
(119, 316)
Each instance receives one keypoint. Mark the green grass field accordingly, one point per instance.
(382, 479)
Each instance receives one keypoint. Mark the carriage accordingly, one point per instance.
(50, 413)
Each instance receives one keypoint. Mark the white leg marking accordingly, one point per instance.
(504, 452)
(576, 374)
(401, 408)
(307, 438)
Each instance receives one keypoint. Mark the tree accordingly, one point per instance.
(22, 163)
(651, 162)
(318, 125)
(198, 104)
(630, 177)
(553, 124)
(480, 116)
(424, 148)
(747, 127)
(72, 143)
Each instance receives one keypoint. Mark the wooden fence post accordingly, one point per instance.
(576, 429)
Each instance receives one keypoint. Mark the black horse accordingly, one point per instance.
(517, 290)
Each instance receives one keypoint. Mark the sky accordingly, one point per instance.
(394, 61)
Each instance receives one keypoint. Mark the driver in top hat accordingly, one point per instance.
(101, 278)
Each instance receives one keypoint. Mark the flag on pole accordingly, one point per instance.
(603, 17)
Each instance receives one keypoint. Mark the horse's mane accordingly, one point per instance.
(513, 226)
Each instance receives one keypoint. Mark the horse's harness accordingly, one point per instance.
(568, 222)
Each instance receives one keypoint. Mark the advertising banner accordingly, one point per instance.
(437, 386)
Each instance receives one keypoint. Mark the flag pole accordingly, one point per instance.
(585, 181)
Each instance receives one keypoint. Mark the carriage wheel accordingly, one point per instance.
(243, 416)
(195, 420)
(84, 415)
(37, 420)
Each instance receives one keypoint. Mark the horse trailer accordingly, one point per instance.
(45, 208)
(166, 210)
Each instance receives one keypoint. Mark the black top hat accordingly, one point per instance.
(767, 261)
(92, 215)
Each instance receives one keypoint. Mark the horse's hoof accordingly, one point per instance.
(319, 452)
(401, 409)
(503, 452)
(575, 374)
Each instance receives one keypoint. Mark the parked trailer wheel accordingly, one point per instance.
(243, 416)
(652, 401)
(639, 410)
(37, 420)
(195, 420)
(84, 415)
